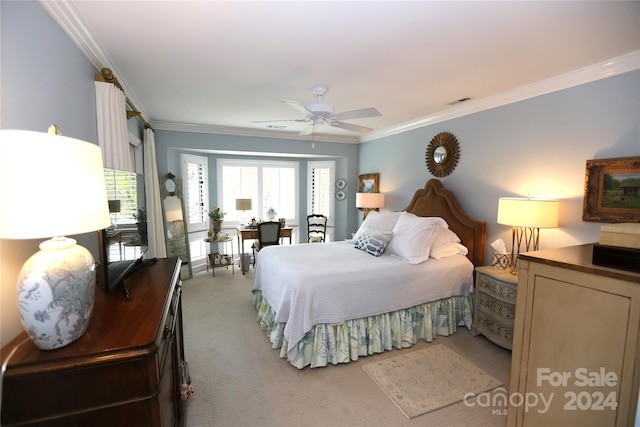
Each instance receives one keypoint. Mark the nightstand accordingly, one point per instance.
(495, 305)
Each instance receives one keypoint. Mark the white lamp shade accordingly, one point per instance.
(243, 204)
(50, 185)
(175, 215)
(522, 212)
(369, 200)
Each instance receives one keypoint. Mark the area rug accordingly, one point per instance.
(425, 380)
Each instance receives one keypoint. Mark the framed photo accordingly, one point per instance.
(612, 190)
(369, 183)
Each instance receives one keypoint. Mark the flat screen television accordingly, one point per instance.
(113, 271)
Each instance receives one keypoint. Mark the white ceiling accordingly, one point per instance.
(219, 65)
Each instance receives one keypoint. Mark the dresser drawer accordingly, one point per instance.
(169, 327)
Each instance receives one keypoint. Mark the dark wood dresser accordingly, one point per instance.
(126, 370)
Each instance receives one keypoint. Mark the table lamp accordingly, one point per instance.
(175, 217)
(527, 216)
(243, 205)
(369, 202)
(51, 186)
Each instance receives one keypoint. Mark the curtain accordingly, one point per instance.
(155, 224)
(113, 136)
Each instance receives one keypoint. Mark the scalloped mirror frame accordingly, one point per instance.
(445, 162)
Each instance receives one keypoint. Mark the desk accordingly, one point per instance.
(252, 234)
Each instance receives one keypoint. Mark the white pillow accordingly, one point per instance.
(383, 222)
(444, 236)
(447, 249)
(413, 237)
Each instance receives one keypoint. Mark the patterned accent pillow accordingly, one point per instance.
(372, 241)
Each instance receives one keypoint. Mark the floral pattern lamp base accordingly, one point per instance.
(56, 290)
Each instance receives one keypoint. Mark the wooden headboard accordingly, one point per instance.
(434, 200)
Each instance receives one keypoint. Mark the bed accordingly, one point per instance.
(330, 303)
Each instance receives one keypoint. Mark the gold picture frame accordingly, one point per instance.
(612, 190)
(369, 183)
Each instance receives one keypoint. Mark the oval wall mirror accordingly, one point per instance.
(442, 154)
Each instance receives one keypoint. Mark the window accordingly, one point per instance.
(321, 190)
(196, 191)
(269, 184)
(123, 186)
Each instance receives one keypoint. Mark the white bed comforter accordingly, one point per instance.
(317, 283)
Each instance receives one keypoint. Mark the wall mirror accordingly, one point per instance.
(442, 154)
(175, 232)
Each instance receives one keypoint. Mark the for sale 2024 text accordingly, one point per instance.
(595, 400)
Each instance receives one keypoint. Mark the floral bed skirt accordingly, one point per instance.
(347, 341)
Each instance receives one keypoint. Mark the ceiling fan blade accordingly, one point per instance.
(357, 114)
(297, 106)
(308, 130)
(351, 127)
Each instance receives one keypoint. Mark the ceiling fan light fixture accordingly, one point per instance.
(320, 109)
(319, 113)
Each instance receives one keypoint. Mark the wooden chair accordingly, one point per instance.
(268, 235)
(316, 228)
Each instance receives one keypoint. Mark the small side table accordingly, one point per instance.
(213, 241)
(495, 305)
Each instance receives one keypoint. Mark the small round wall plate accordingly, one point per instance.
(341, 183)
(340, 195)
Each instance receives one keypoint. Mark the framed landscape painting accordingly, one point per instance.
(612, 190)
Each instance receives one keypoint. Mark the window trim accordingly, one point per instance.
(204, 163)
(260, 164)
(318, 164)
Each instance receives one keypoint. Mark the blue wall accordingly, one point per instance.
(170, 144)
(44, 79)
(536, 147)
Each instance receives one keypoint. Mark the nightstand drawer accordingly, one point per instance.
(497, 288)
(495, 305)
(498, 309)
(499, 332)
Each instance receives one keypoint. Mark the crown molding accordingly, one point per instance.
(609, 68)
(257, 133)
(62, 12)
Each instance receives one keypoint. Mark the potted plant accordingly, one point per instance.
(216, 215)
(141, 223)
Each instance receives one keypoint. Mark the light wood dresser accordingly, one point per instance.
(495, 305)
(575, 341)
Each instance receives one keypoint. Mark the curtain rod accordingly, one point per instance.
(106, 75)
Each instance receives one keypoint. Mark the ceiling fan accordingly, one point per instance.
(317, 114)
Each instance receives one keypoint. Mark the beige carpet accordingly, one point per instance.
(423, 381)
(240, 381)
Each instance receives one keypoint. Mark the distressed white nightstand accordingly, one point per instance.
(495, 305)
